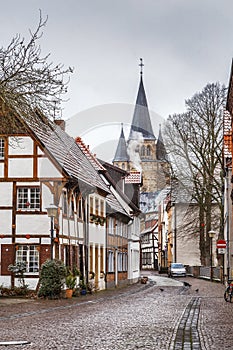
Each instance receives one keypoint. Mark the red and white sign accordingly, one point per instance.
(221, 243)
(133, 178)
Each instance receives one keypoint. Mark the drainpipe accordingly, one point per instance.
(227, 223)
(86, 240)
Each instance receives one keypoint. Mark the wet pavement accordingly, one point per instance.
(161, 314)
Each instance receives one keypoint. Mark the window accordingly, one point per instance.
(80, 206)
(125, 262)
(110, 261)
(101, 208)
(30, 255)
(125, 230)
(119, 228)
(96, 206)
(72, 207)
(91, 205)
(119, 262)
(148, 151)
(146, 258)
(2, 147)
(110, 226)
(65, 206)
(143, 151)
(28, 198)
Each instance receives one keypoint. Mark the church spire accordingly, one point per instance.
(141, 65)
(141, 119)
(121, 154)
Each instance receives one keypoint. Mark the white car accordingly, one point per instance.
(176, 269)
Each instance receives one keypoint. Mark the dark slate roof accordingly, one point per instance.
(161, 153)
(114, 206)
(115, 181)
(67, 155)
(121, 154)
(141, 119)
(149, 229)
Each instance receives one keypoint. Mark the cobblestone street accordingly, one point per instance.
(162, 314)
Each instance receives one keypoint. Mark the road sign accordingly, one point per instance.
(221, 250)
(221, 243)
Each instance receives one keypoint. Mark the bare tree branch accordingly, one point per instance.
(28, 81)
(194, 141)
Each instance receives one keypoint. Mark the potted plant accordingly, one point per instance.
(70, 284)
(83, 287)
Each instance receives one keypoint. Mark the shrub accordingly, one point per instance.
(18, 270)
(52, 278)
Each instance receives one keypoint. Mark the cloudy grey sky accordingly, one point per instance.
(184, 43)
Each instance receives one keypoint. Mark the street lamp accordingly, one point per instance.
(52, 210)
(211, 235)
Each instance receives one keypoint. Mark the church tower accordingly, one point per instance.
(143, 152)
(121, 158)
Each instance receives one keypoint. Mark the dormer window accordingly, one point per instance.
(2, 148)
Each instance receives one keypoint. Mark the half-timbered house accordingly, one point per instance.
(40, 165)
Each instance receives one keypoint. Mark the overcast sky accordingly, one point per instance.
(184, 44)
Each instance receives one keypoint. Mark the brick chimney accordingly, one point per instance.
(61, 123)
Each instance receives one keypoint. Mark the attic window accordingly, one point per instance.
(2, 147)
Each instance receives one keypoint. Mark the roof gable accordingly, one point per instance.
(67, 155)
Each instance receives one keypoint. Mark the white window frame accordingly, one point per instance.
(2, 148)
(119, 262)
(125, 230)
(110, 261)
(30, 255)
(80, 208)
(28, 198)
(125, 261)
(111, 226)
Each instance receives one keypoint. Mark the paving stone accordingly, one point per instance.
(136, 317)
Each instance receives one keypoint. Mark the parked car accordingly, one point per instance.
(176, 269)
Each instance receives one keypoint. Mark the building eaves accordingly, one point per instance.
(114, 206)
(134, 208)
(91, 157)
(149, 229)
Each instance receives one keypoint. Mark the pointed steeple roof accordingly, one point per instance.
(141, 119)
(121, 154)
(161, 153)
